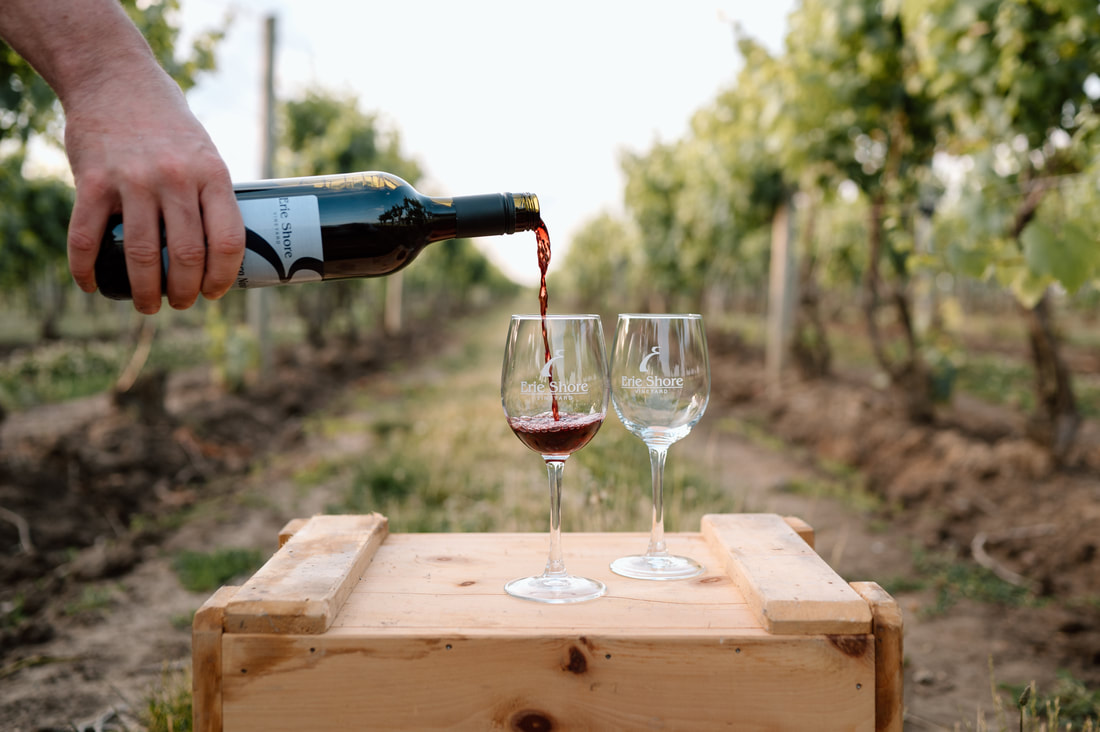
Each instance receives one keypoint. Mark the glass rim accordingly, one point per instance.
(559, 316)
(664, 316)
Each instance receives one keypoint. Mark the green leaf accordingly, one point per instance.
(1068, 256)
(1029, 287)
(966, 261)
(1039, 241)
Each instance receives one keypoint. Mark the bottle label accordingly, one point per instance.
(282, 241)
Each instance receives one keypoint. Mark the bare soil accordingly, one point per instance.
(91, 612)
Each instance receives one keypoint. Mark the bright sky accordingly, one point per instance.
(491, 95)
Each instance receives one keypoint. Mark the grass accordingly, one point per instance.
(98, 342)
(168, 706)
(92, 599)
(852, 494)
(1011, 383)
(1069, 705)
(998, 380)
(207, 571)
(69, 370)
(952, 579)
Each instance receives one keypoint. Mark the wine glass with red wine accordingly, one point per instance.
(554, 388)
(660, 386)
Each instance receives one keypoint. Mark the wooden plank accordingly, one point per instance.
(427, 583)
(206, 662)
(888, 631)
(498, 614)
(291, 528)
(790, 588)
(302, 587)
(801, 528)
(590, 681)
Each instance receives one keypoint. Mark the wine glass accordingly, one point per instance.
(554, 388)
(660, 385)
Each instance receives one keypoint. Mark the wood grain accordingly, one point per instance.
(789, 587)
(559, 682)
(206, 662)
(889, 655)
(303, 586)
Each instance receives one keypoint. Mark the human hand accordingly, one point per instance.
(135, 148)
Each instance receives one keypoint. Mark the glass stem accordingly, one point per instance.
(657, 455)
(555, 565)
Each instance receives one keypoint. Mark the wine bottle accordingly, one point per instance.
(336, 227)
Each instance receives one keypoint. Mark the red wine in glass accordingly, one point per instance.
(561, 434)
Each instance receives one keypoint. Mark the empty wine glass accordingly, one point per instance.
(660, 385)
(554, 388)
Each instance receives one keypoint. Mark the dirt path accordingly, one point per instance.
(115, 635)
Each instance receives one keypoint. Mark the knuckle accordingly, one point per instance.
(143, 253)
(81, 243)
(212, 164)
(214, 286)
(188, 254)
(174, 173)
(96, 184)
(144, 178)
(229, 242)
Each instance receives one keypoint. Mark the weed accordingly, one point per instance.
(168, 706)
(954, 579)
(182, 621)
(851, 492)
(66, 370)
(1070, 704)
(93, 598)
(207, 571)
(997, 380)
(899, 584)
(12, 614)
(318, 471)
(755, 432)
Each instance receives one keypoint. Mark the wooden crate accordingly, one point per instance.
(348, 627)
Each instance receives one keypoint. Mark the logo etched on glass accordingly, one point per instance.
(644, 367)
(652, 383)
(547, 384)
(558, 356)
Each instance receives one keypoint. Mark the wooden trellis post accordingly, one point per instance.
(782, 294)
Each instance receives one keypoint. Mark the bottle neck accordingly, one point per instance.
(493, 214)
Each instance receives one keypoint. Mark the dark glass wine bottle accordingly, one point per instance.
(339, 226)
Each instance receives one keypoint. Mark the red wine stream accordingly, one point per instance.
(542, 236)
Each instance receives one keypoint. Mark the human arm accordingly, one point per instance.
(135, 148)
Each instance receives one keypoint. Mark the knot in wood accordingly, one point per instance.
(851, 645)
(578, 664)
(531, 721)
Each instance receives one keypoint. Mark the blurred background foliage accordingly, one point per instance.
(937, 160)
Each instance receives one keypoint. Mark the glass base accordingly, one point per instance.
(558, 590)
(661, 567)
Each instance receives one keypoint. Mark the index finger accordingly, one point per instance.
(91, 209)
